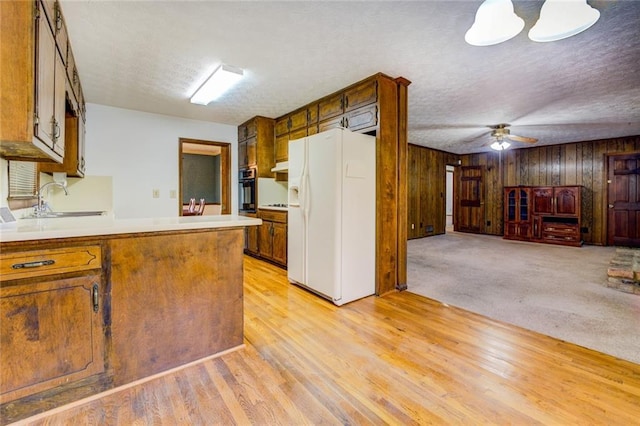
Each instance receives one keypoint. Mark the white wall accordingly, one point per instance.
(140, 152)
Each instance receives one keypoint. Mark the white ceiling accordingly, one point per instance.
(151, 56)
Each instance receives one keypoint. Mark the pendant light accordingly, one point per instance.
(495, 22)
(563, 18)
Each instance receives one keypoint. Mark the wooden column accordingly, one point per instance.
(403, 108)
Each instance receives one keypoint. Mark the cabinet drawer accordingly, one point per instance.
(560, 228)
(36, 263)
(550, 236)
(273, 216)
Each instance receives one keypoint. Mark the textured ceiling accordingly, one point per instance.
(151, 56)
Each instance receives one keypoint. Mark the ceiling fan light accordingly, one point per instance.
(495, 22)
(221, 80)
(560, 19)
(500, 146)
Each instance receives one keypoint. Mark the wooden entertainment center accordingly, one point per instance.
(546, 214)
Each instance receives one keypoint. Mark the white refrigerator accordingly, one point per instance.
(332, 214)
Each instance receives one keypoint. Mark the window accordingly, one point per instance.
(23, 183)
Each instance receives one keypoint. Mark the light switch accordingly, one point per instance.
(172, 193)
(156, 193)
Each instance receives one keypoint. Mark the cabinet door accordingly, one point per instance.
(361, 118)
(60, 30)
(363, 94)
(46, 82)
(298, 120)
(298, 134)
(542, 200)
(59, 106)
(567, 201)
(251, 239)
(282, 125)
(51, 333)
(279, 231)
(312, 114)
(242, 155)
(282, 148)
(331, 124)
(265, 239)
(252, 152)
(330, 107)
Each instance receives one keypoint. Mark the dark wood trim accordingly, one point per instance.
(225, 172)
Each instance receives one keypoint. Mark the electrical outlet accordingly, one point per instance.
(172, 193)
(156, 193)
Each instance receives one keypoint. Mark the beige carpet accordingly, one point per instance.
(550, 289)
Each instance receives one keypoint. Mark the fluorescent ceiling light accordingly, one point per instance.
(495, 22)
(219, 82)
(563, 18)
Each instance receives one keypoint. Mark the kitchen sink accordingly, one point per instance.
(49, 215)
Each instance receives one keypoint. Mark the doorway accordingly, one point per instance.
(205, 172)
(448, 202)
(469, 200)
(623, 200)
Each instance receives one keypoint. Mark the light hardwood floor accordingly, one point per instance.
(401, 359)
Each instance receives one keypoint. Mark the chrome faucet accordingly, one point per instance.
(42, 207)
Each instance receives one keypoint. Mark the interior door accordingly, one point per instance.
(623, 219)
(469, 198)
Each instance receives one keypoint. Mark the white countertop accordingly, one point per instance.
(42, 229)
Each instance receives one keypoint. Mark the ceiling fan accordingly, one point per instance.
(500, 133)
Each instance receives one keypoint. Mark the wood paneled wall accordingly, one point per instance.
(426, 172)
(581, 163)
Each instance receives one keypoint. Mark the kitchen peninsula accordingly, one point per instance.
(92, 303)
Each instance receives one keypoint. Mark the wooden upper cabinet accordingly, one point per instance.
(298, 120)
(281, 149)
(363, 94)
(331, 107)
(252, 152)
(35, 51)
(50, 90)
(282, 125)
(312, 114)
(60, 31)
(355, 108)
(256, 145)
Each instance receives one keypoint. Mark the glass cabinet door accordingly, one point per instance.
(511, 205)
(524, 205)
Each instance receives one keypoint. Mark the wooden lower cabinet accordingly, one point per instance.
(271, 237)
(80, 315)
(54, 329)
(52, 326)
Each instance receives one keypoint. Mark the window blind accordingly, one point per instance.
(23, 179)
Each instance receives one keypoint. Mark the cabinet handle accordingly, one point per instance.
(95, 298)
(56, 130)
(346, 123)
(36, 264)
(346, 102)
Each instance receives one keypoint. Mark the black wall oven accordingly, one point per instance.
(247, 191)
